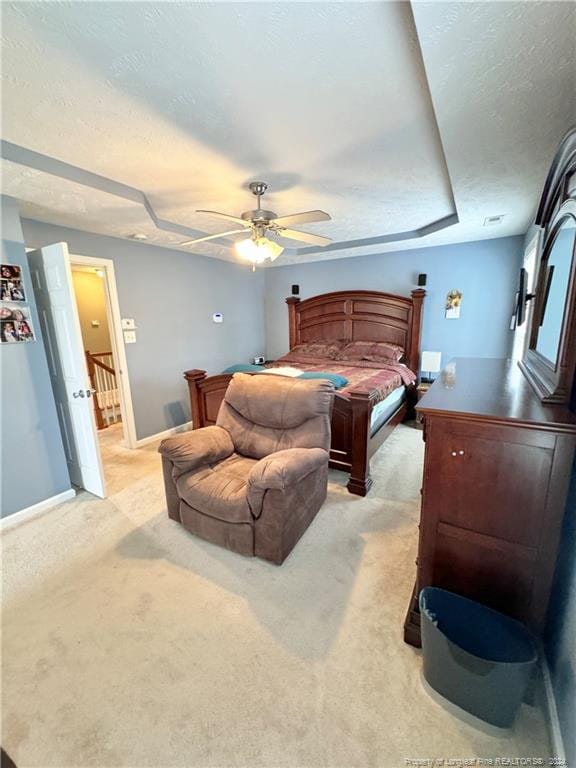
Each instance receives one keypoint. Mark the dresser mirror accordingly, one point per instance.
(550, 360)
(555, 270)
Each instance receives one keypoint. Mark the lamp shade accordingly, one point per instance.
(431, 361)
(258, 250)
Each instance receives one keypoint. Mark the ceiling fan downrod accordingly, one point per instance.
(258, 188)
(259, 215)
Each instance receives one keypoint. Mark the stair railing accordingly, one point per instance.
(103, 381)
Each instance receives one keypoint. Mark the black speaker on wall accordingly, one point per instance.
(295, 290)
(422, 279)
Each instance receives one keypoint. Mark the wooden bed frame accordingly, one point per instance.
(351, 316)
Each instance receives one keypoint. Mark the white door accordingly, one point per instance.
(52, 282)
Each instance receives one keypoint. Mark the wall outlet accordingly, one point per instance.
(129, 337)
(258, 360)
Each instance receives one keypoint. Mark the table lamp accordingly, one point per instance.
(430, 363)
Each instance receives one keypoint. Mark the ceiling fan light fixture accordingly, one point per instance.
(259, 222)
(258, 250)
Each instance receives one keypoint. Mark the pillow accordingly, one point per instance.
(244, 368)
(327, 349)
(335, 378)
(384, 352)
(374, 351)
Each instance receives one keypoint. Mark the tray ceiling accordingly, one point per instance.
(390, 120)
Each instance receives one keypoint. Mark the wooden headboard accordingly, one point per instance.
(359, 316)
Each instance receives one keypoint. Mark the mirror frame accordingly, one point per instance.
(552, 380)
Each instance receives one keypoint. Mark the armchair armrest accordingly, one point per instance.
(285, 468)
(196, 448)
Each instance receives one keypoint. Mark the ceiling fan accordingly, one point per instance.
(259, 223)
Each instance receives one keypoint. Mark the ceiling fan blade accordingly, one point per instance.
(237, 219)
(305, 237)
(213, 237)
(306, 217)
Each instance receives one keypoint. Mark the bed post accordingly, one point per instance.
(360, 480)
(194, 377)
(292, 301)
(416, 328)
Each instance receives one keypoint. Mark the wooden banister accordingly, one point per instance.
(103, 380)
(91, 364)
(102, 365)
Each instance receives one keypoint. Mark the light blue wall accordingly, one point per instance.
(560, 637)
(486, 272)
(33, 462)
(172, 296)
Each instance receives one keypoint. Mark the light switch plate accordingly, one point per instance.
(129, 337)
(218, 317)
(128, 324)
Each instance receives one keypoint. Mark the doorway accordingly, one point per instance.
(78, 378)
(92, 305)
(94, 285)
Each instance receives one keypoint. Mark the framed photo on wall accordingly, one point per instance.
(453, 304)
(15, 325)
(11, 285)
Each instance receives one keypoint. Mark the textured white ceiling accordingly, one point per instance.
(349, 107)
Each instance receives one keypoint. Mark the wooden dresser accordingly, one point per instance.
(496, 473)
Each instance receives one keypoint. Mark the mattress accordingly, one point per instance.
(385, 408)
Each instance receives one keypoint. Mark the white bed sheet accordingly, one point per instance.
(386, 408)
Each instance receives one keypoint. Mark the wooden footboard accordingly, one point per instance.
(352, 444)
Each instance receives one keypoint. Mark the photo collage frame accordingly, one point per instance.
(15, 317)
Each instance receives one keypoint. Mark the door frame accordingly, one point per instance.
(117, 340)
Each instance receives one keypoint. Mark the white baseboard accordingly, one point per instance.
(551, 712)
(161, 435)
(36, 509)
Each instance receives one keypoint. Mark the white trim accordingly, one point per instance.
(161, 435)
(551, 713)
(117, 339)
(36, 509)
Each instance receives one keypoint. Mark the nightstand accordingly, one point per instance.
(421, 390)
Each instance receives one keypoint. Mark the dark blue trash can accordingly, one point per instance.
(474, 656)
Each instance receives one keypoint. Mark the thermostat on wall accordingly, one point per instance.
(218, 317)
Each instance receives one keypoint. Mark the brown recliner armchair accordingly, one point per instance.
(254, 482)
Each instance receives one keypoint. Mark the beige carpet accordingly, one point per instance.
(127, 642)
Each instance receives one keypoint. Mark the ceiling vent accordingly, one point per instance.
(492, 221)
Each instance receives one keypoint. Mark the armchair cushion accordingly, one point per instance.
(197, 448)
(278, 402)
(219, 491)
(265, 414)
(282, 469)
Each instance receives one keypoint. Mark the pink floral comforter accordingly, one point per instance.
(363, 376)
